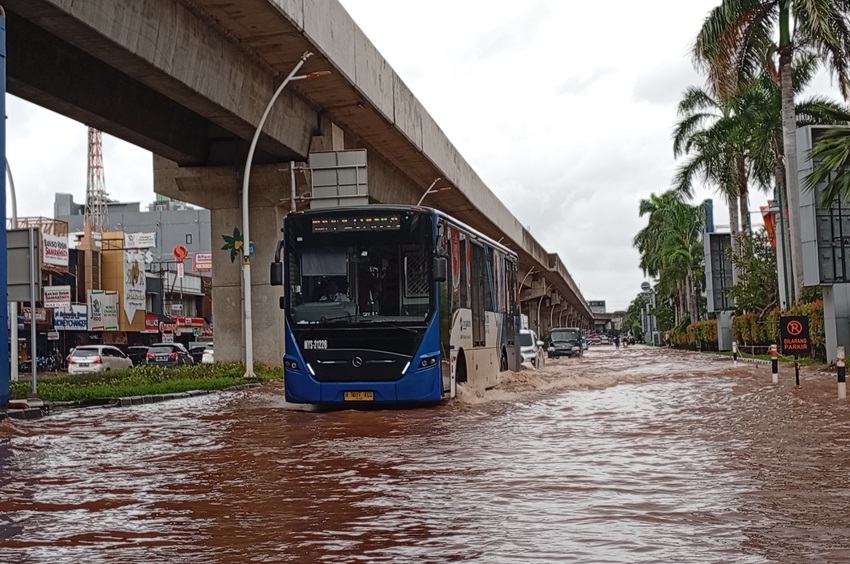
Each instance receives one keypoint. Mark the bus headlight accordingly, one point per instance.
(428, 361)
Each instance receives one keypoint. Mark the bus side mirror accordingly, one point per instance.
(441, 269)
(276, 274)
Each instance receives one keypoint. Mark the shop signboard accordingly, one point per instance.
(74, 318)
(202, 262)
(103, 310)
(56, 297)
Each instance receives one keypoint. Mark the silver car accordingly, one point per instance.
(96, 358)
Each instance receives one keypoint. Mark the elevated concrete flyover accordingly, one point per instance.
(189, 79)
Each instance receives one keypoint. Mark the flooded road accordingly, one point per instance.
(640, 455)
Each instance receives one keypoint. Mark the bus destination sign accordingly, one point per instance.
(794, 335)
(383, 222)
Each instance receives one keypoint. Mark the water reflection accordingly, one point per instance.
(641, 456)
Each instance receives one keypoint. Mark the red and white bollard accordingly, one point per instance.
(774, 363)
(842, 376)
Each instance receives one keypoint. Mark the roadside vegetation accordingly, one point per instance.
(142, 381)
(736, 133)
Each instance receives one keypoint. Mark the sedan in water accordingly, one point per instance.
(565, 341)
(170, 355)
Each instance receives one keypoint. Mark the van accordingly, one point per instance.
(565, 341)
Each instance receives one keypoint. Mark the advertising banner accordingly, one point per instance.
(57, 297)
(103, 310)
(145, 240)
(74, 318)
(54, 250)
(134, 283)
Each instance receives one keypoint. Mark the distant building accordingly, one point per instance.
(174, 223)
(597, 306)
(177, 293)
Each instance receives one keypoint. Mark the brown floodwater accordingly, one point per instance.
(640, 455)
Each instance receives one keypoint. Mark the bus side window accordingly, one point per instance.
(464, 274)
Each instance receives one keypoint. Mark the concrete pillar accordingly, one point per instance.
(836, 318)
(227, 288)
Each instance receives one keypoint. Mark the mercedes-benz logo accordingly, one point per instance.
(357, 362)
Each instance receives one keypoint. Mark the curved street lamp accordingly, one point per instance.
(248, 332)
(13, 306)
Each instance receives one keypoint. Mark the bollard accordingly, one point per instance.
(735, 353)
(774, 363)
(842, 377)
(796, 371)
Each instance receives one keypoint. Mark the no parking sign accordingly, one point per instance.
(794, 335)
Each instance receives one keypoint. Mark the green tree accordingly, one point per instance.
(741, 39)
(671, 250)
(757, 288)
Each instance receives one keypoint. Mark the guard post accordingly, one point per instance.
(842, 377)
(774, 363)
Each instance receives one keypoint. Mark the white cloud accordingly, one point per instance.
(565, 110)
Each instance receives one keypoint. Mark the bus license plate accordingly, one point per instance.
(359, 396)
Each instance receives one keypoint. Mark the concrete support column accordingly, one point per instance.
(227, 288)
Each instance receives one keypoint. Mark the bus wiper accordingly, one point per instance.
(388, 324)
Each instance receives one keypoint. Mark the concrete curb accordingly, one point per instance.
(37, 413)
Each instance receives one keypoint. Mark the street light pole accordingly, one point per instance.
(248, 332)
(539, 303)
(5, 388)
(13, 306)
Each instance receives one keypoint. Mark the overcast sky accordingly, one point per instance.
(564, 109)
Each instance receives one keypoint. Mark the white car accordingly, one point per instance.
(95, 358)
(207, 357)
(531, 348)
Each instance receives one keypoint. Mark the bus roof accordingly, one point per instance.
(407, 207)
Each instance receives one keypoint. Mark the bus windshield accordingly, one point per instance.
(337, 274)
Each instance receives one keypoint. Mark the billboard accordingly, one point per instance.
(596, 306)
(718, 272)
(134, 283)
(103, 310)
(54, 250)
(145, 240)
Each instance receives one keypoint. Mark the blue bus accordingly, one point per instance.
(388, 304)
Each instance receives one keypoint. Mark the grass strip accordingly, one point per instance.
(142, 381)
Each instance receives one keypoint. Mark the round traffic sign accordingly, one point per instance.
(180, 252)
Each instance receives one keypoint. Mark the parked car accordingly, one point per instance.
(95, 358)
(565, 341)
(137, 354)
(197, 351)
(208, 357)
(171, 355)
(531, 348)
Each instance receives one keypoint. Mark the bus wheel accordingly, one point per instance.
(503, 362)
(460, 369)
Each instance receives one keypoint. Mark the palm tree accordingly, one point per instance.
(713, 135)
(739, 141)
(671, 250)
(736, 44)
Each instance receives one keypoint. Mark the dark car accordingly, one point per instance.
(168, 354)
(196, 350)
(137, 354)
(565, 341)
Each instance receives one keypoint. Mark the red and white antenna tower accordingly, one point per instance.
(96, 211)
